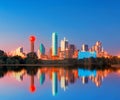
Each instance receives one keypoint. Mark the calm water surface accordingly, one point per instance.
(59, 84)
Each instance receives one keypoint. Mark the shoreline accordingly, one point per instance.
(90, 67)
(93, 65)
(116, 65)
(38, 65)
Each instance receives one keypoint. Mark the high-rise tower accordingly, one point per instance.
(84, 47)
(64, 44)
(42, 49)
(54, 44)
(32, 40)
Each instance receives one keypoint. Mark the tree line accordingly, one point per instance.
(32, 58)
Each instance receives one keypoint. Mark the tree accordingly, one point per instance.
(2, 53)
(3, 57)
(19, 58)
(31, 58)
(32, 55)
(12, 60)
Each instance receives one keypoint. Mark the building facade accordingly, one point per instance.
(18, 52)
(54, 83)
(54, 44)
(86, 54)
(42, 49)
(64, 44)
(84, 47)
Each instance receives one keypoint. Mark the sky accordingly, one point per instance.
(80, 21)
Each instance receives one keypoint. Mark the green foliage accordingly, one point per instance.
(2, 61)
(31, 58)
(12, 61)
(115, 60)
(86, 62)
(92, 63)
(2, 53)
(32, 55)
(3, 57)
(19, 58)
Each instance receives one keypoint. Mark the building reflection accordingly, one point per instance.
(32, 71)
(32, 86)
(54, 83)
(84, 80)
(86, 74)
(61, 75)
(41, 76)
(17, 75)
(64, 79)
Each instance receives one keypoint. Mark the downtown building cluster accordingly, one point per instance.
(65, 51)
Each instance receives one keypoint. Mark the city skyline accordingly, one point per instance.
(65, 50)
(81, 22)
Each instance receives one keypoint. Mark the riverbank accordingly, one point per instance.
(37, 65)
(90, 63)
(116, 65)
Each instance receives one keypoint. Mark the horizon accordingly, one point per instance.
(79, 21)
(37, 46)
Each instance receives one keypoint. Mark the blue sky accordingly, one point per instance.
(80, 21)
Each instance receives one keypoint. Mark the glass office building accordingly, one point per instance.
(54, 44)
(42, 49)
(86, 54)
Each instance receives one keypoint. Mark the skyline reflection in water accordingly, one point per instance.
(54, 82)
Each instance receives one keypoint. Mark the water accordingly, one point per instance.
(52, 83)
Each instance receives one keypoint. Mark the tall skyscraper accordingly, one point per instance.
(32, 40)
(42, 49)
(84, 47)
(54, 44)
(72, 49)
(64, 44)
(98, 46)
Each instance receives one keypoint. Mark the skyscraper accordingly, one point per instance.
(72, 48)
(54, 44)
(84, 47)
(98, 47)
(64, 44)
(42, 49)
